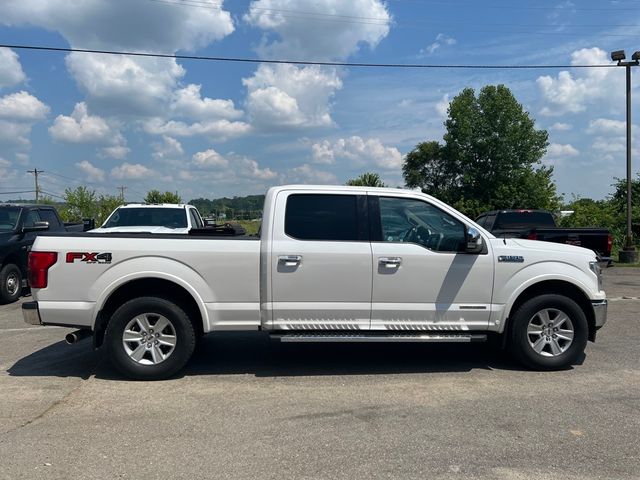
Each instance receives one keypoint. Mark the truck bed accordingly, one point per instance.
(222, 271)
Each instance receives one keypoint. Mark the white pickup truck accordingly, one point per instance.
(332, 264)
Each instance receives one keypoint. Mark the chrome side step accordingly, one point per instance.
(376, 338)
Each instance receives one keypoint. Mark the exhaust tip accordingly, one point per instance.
(76, 336)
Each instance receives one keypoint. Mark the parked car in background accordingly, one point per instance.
(541, 225)
(152, 218)
(19, 226)
(332, 264)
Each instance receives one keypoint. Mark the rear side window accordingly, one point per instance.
(195, 219)
(322, 217)
(524, 219)
(50, 217)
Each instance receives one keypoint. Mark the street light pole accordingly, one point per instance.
(628, 254)
(628, 242)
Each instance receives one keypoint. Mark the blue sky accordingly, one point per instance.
(215, 129)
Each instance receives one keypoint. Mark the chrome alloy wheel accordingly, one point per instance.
(12, 283)
(550, 332)
(149, 339)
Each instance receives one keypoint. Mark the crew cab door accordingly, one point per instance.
(321, 271)
(423, 279)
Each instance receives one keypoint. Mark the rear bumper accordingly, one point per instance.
(31, 314)
(600, 312)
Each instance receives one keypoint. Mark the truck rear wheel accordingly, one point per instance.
(10, 283)
(149, 338)
(548, 332)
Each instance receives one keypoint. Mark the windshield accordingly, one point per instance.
(524, 219)
(148, 217)
(9, 218)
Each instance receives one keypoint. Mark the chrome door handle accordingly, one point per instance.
(390, 262)
(290, 260)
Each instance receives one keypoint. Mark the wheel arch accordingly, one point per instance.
(143, 287)
(557, 287)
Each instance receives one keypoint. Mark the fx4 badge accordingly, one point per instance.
(511, 258)
(89, 257)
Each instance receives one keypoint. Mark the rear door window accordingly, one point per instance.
(322, 217)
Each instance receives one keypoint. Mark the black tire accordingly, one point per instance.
(10, 283)
(184, 332)
(520, 340)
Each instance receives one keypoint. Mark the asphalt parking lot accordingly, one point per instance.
(248, 408)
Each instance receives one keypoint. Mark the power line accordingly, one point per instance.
(19, 191)
(53, 195)
(302, 62)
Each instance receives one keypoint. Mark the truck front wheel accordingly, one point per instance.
(548, 332)
(149, 338)
(10, 283)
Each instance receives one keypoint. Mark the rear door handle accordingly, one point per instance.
(390, 262)
(290, 260)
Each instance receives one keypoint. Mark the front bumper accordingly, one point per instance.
(31, 314)
(599, 312)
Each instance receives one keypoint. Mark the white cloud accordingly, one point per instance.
(22, 106)
(441, 39)
(117, 151)
(562, 150)
(305, 174)
(15, 134)
(219, 130)
(22, 158)
(606, 126)
(80, 127)
(10, 69)
(135, 25)
(358, 151)
(442, 107)
(320, 33)
(561, 127)
(128, 171)
(209, 158)
(609, 144)
(91, 172)
(248, 167)
(6, 173)
(170, 148)
(126, 85)
(188, 102)
(323, 153)
(289, 96)
(571, 93)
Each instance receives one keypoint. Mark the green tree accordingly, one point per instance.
(156, 196)
(490, 158)
(80, 203)
(367, 179)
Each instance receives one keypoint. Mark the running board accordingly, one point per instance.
(377, 338)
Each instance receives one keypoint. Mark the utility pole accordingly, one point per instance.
(122, 188)
(628, 254)
(35, 172)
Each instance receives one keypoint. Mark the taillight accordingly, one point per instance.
(532, 236)
(609, 243)
(39, 265)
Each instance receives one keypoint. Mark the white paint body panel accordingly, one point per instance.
(239, 284)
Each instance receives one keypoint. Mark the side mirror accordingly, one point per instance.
(475, 244)
(36, 227)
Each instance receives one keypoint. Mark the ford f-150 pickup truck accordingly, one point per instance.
(332, 264)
